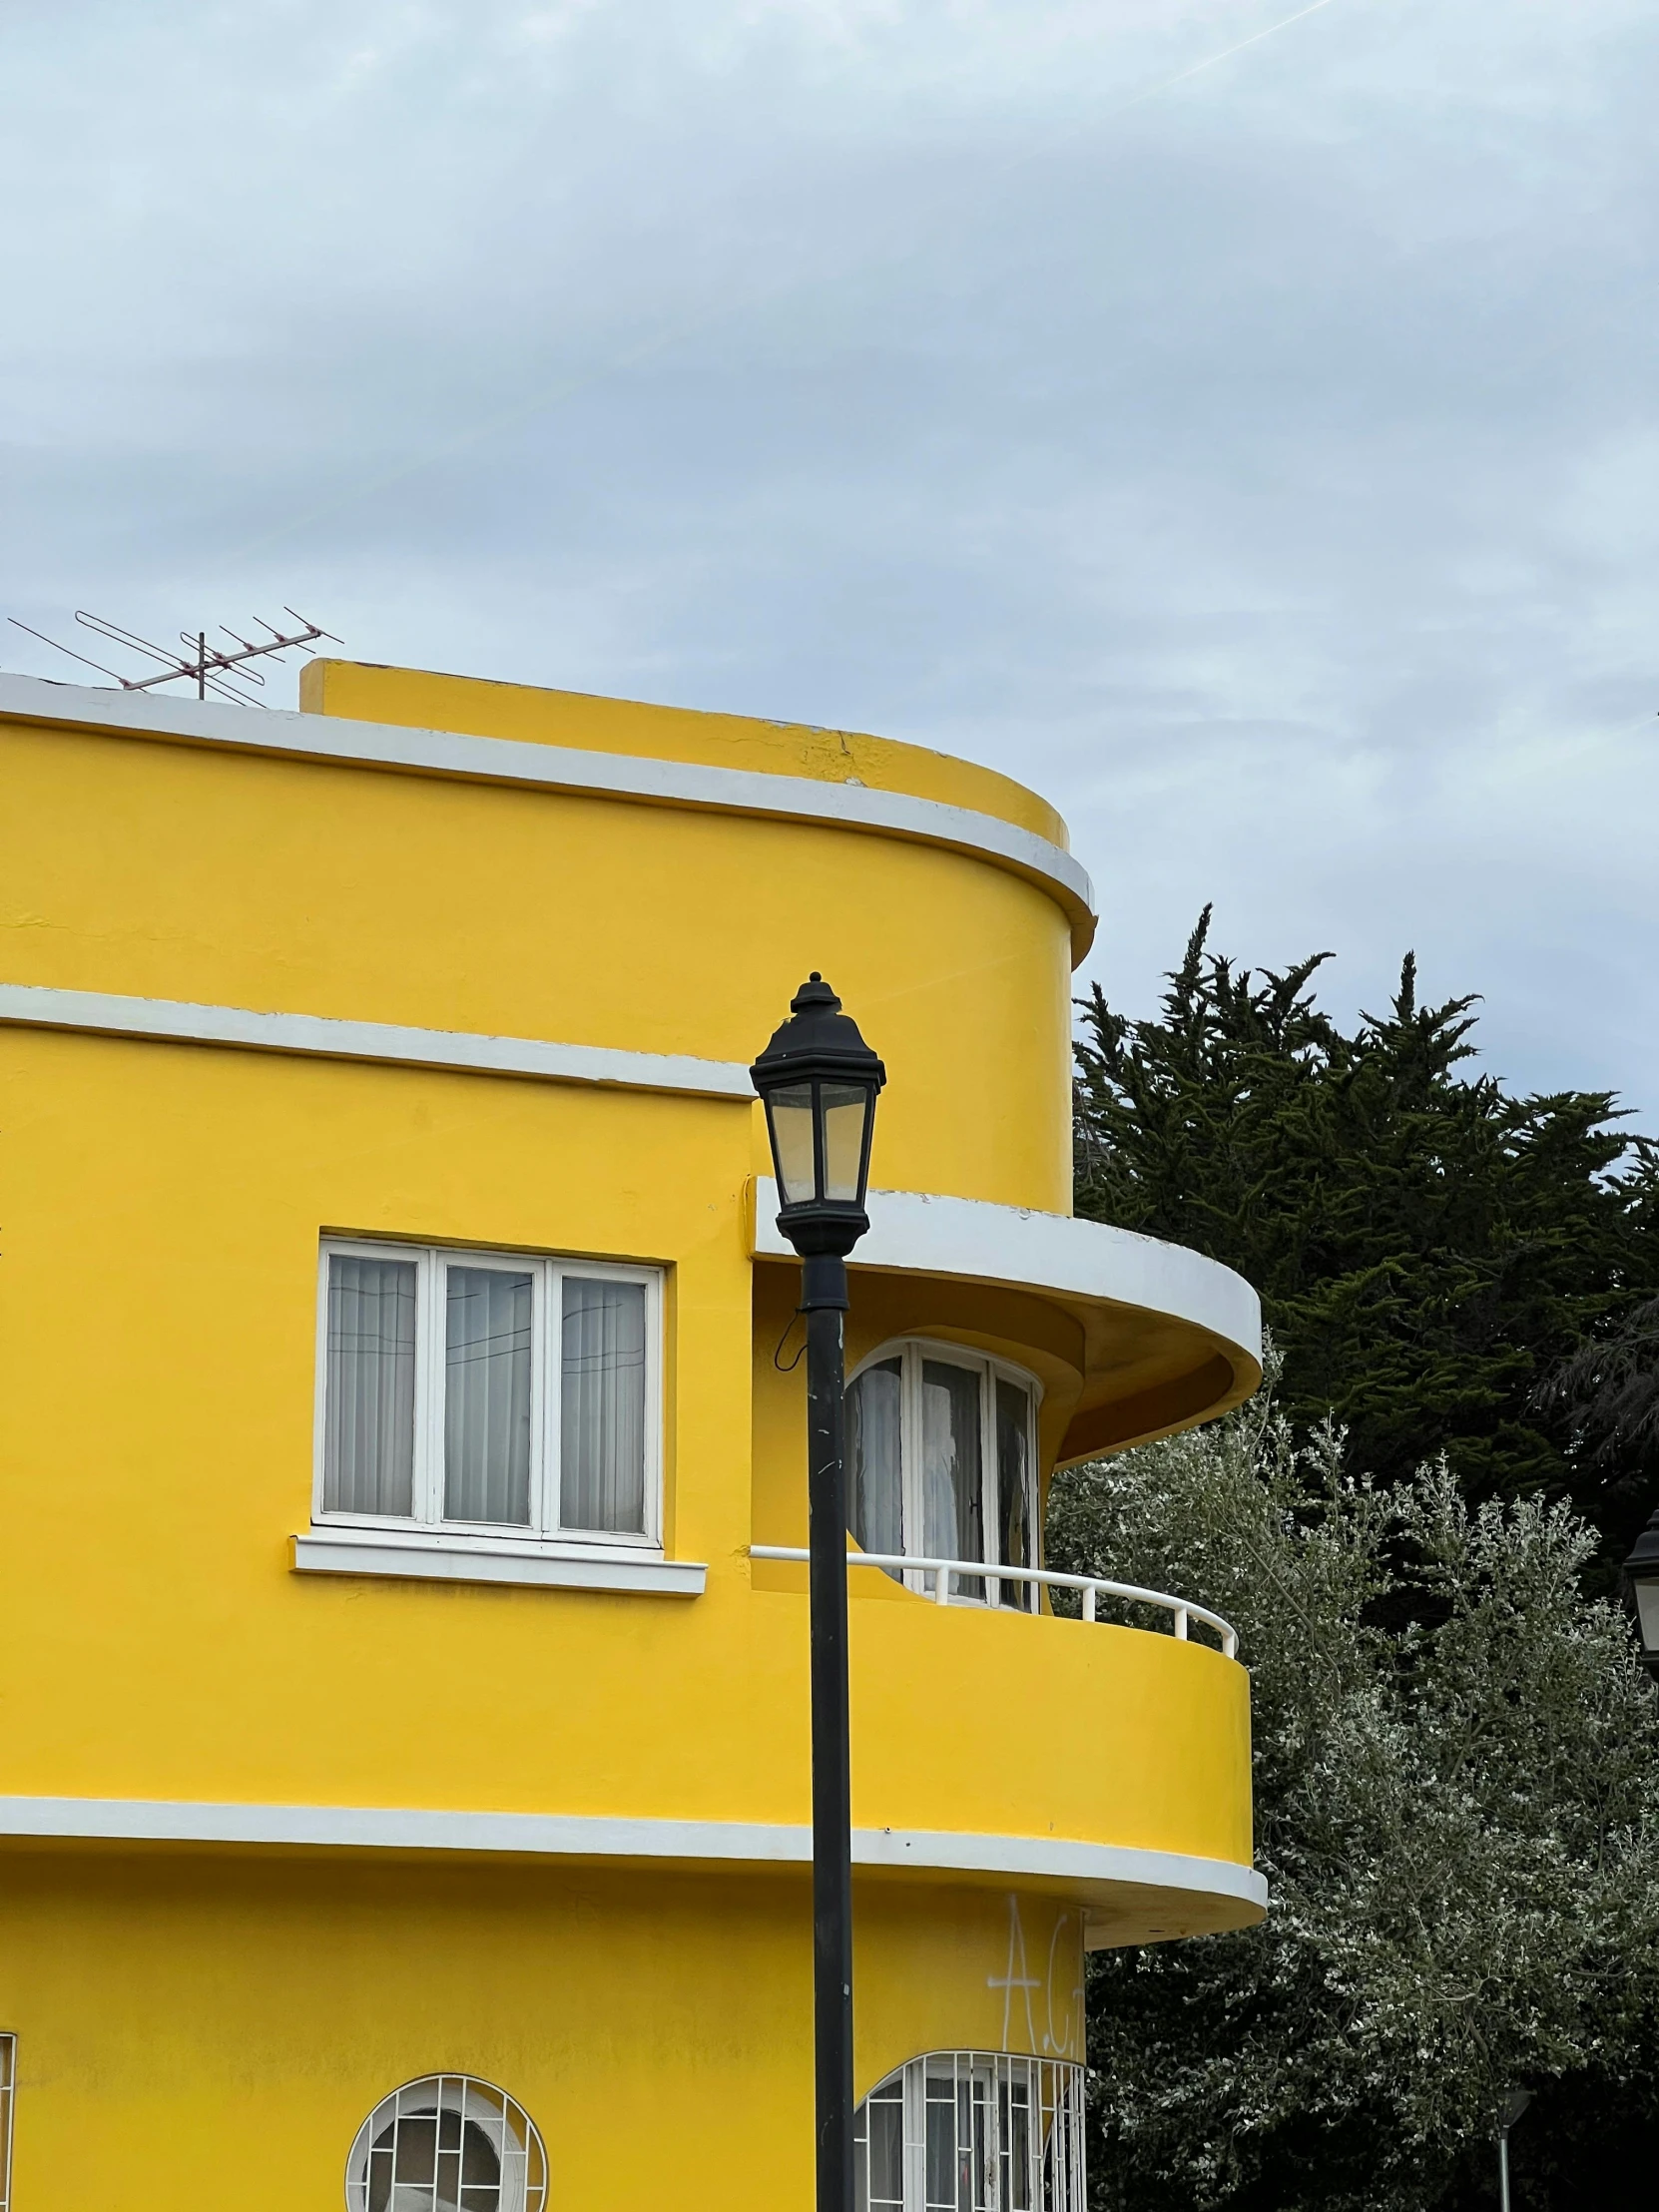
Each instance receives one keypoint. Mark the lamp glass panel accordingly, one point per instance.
(844, 1108)
(1647, 1613)
(790, 1117)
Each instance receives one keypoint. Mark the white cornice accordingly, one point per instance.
(1054, 1254)
(1098, 1873)
(179, 1021)
(621, 775)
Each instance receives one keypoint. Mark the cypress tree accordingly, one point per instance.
(1447, 1267)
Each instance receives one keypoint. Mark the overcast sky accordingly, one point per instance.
(1245, 430)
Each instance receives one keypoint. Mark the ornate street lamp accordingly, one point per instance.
(1642, 1568)
(818, 1080)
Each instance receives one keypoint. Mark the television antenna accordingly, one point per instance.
(211, 668)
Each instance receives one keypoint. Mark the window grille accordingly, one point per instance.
(447, 2143)
(8, 2094)
(971, 2131)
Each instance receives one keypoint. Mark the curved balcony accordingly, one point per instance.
(1072, 1756)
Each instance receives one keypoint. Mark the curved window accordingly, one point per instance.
(447, 2143)
(971, 2131)
(942, 1461)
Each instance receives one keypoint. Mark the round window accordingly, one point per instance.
(447, 2143)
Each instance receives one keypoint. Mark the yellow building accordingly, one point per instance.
(403, 1714)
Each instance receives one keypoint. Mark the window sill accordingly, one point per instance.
(412, 1557)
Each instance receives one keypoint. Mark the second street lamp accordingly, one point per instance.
(818, 1080)
(1642, 1569)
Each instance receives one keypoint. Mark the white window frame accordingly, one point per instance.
(911, 1352)
(548, 1273)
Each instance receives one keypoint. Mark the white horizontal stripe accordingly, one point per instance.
(916, 1233)
(321, 1035)
(411, 1557)
(557, 768)
(589, 1836)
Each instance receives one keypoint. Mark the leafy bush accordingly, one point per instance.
(1457, 1771)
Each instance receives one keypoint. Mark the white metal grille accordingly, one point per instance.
(447, 2143)
(946, 1579)
(8, 2096)
(971, 2131)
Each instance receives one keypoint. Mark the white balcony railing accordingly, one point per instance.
(939, 1574)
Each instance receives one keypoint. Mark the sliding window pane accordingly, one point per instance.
(1014, 1489)
(369, 1387)
(602, 1430)
(952, 1472)
(486, 1396)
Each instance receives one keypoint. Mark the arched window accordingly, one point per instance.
(942, 1461)
(447, 2143)
(971, 2131)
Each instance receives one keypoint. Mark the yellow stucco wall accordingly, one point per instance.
(164, 871)
(248, 2013)
(158, 1456)
(157, 1328)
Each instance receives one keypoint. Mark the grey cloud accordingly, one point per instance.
(1265, 467)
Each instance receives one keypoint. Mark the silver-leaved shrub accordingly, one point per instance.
(1456, 1776)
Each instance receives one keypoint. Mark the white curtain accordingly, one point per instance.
(952, 1471)
(602, 1445)
(486, 1396)
(369, 1410)
(1013, 1489)
(874, 1452)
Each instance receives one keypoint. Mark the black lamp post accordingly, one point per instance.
(1509, 2111)
(818, 1080)
(1642, 1568)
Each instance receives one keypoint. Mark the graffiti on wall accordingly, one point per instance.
(1047, 2005)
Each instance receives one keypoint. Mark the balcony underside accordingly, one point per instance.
(1165, 1337)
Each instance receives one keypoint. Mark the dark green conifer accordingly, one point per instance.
(1446, 1267)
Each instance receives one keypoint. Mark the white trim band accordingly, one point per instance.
(322, 1036)
(914, 1232)
(409, 1557)
(591, 1836)
(623, 776)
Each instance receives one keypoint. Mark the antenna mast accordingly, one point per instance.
(214, 669)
